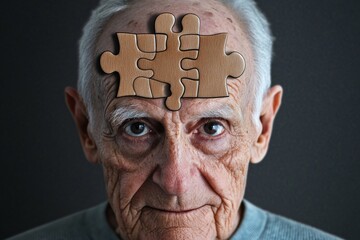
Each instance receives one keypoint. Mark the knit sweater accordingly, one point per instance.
(256, 224)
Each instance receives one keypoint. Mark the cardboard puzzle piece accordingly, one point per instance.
(189, 42)
(215, 66)
(151, 43)
(142, 87)
(167, 64)
(173, 65)
(191, 88)
(125, 62)
(149, 88)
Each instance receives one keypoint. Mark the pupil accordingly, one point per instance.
(210, 128)
(137, 128)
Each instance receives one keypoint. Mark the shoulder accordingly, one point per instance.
(260, 224)
(87, 224)
(285, 228)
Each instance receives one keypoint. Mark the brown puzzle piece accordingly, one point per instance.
(173, 65)
(125, 62)
(142, 87)
(150, 88)
(189, 42)
(151, 42)
(167, 64)
(215, 65)
(191, 87)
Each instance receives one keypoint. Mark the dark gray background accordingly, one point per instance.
(310, 174)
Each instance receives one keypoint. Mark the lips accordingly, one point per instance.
(175, 211)
(177, 218)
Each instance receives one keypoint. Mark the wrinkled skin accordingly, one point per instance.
(181, 174)
(177, 181)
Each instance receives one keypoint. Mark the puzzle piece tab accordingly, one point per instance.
(167, 64)
(215, 65)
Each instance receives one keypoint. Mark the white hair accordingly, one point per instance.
(259, 34)
(257, 29)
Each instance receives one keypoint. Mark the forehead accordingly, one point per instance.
(139, 17)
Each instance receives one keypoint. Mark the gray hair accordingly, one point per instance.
(257, 28)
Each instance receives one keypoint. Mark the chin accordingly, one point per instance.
(178, 233)
(159, 224)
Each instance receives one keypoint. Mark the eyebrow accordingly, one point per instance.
(223, 111)
(131, 111)
(123, 113)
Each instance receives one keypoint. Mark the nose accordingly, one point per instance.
(173, 173)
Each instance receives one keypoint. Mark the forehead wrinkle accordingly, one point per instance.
(109, 91)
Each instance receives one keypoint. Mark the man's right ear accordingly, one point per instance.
(80, 116)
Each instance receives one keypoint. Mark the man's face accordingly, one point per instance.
(177, 174)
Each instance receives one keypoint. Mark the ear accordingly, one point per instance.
(270, 106)
(80, 116)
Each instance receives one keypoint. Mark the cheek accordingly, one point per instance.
(125, 175)
(226, 175)
(123, 178)
(135, 151)
(212, 148)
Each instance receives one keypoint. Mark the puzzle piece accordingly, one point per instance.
(189, 42)
(150, 88)
(151, 43)
(142, 87)
(191, 87)
(215, 65)
(167, 64)
(125, 62)
(171, 64)
(159, 89)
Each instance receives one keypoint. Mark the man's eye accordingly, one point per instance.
(213, 128)
(136, 129)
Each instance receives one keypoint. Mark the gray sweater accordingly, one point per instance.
(92, 224)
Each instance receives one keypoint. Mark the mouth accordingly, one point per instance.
(174, 211)
(168, 218)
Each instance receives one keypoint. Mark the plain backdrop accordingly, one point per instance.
(311, 172)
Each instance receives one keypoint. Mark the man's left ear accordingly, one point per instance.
(270, 106)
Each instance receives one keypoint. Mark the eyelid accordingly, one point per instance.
(222, 121)
(202, 135)
(154, 126)
(195, 126)
(128, 124)
(122, 114)
(214, 121)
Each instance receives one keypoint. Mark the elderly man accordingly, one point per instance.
(174, 170)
